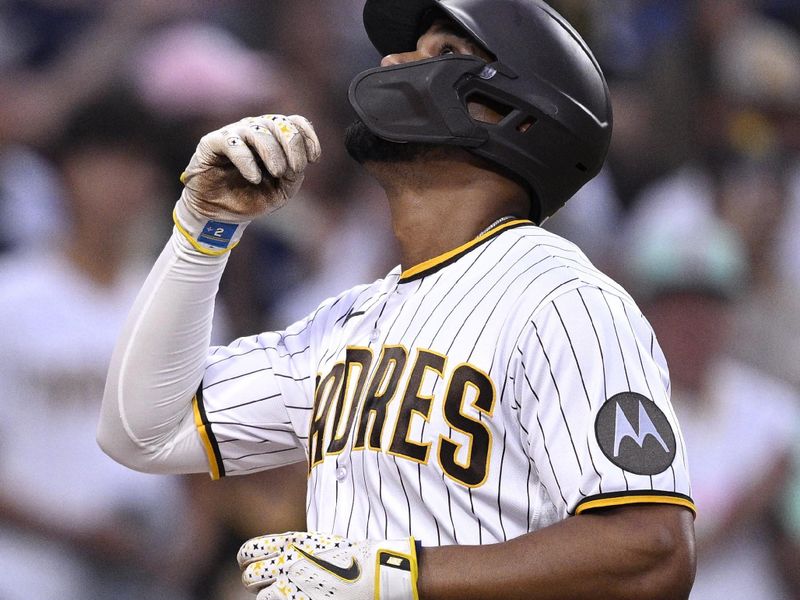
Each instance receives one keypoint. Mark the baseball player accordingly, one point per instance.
(491, 419)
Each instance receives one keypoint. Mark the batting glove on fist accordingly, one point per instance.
(244, 170)
(315, 566)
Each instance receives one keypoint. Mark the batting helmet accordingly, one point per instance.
(557, 121)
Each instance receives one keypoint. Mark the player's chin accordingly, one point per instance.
(364, 146)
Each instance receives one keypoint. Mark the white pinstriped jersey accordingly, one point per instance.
(478, 396)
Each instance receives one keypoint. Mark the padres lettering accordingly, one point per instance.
(352, 400)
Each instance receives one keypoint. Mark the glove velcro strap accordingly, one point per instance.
(396, 571)
(208, 236)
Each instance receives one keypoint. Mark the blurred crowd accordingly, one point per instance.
(101, 106)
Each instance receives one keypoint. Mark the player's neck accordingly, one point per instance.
(444, 205)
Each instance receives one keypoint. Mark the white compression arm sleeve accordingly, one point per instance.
(147, 422)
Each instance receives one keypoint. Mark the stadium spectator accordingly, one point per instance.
(739, 423)
(73, 524)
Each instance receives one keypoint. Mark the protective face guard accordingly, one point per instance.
(426, 101)
(421, 101)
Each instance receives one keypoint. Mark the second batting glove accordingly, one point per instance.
(315, 566)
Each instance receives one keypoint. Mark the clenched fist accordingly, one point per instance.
(239, 172)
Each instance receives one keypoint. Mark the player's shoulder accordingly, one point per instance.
(553, 266)
(543, 250)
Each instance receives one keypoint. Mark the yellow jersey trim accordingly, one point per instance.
(414, 568)
(643, 499)
(194, 242)
(442, 258)
(204, 437)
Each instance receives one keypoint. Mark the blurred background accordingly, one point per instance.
(101, 105)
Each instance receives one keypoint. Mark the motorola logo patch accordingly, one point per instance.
(634, 434)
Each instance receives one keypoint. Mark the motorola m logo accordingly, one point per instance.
(635, 434)
(623, 429)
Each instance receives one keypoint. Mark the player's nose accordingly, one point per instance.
(400, 58)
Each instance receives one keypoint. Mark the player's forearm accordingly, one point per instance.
(147, 419)
(157, 365)
(632, 552)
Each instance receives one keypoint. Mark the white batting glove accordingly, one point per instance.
(244, 170)
(301, 565)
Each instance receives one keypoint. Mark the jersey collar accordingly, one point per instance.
(434, 264)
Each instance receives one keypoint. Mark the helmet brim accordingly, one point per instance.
(393, 26)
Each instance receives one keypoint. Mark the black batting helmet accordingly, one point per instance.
(557, 121)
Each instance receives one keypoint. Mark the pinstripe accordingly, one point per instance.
(352, 306)
(499, 495)
(336, 500)
(477, 518)
(544, 439)
(521, 331)
(550, 461)
(619, 343)
(572, 350)
(235, 458)
(402, 485)
(528, 496)
(558, 395)
(369, 504)
(210, 412)
(293, 354)
(353, 497)
(383, 308)
(491, 270)
(286, 429)
(237, 356)
(450, 510)
(418, 291)
(380, 496)
(250, 469)
(422, 327)
(285, 376)
(599, 345)
(261, 370)
(583, 385)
